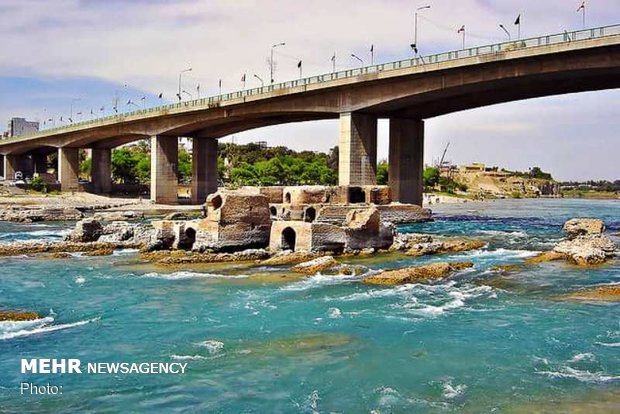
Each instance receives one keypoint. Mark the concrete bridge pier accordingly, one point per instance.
(406, 160)
(69, 168)
(357, 157)
(164, 169)
(204, 169)
(9, 166)
(101, 170)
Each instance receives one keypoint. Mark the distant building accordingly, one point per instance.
(473, 167)
(262, 144)
(19, 126)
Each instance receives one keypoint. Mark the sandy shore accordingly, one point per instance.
(90, 201)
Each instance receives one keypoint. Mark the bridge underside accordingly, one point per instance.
(406, 100)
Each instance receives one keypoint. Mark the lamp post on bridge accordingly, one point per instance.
(415, 27)
(353, 55)
(262, 83)
(271, 66)
(180, 75)
(71, 113)
(501, 26)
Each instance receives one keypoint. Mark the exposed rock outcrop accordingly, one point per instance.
(86, 230)
(19, 248)
(606, 293)
(180, 257)
(11, 315)
(442, 246)
(426, 273)
(545, 257)
(583, 227)
(314, 266)
(118, 215)
(585, 242)
(23, 214)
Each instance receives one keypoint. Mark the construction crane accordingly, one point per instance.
(444, 155)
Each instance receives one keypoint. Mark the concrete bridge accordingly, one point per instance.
(405, 92)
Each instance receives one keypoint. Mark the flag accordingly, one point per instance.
(372, 48)
(61, 119)
(102, 108)
(70, 120)
(220, 83)
(91, 112)
(334, 57)
(160, 95)
(299, 64)
(129, 102)
(518, 20)
(462, 29)
(143, 98)
(583, 6)
(243, 78)
(79, 113)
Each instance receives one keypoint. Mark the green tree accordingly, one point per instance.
(431, 177)
(382, 172)
(184, 164)
(124, 165)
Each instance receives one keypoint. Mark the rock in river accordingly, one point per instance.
(426, 273)
(315, 266)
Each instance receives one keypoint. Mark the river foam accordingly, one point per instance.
(18, 329)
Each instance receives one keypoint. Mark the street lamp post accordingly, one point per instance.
(271, 68)
(72, 101)
(415, 26)
(353, 55)
(180, 75)
(262, 83)
(501, 26)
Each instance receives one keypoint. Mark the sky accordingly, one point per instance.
(63, 56)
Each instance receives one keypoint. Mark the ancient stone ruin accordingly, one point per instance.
(306, 218)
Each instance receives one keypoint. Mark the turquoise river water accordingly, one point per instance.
(261, 340)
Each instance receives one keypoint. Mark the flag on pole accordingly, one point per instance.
(102, 108)
(91, 112)
(299, 64)
(220, 83)
(518, 20)
(129, 102)
(372, 48)
(583, 6)
(461, 30)
(160, 95)
(334, 57)
(243, 78)
(143, 98)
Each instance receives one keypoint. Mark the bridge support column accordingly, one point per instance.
(406, 160)
(101, 170)
(357, 157)
(69, 169)
(164, 169)
(10, 166)
(204, 169)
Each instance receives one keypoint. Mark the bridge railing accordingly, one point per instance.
(546, 40)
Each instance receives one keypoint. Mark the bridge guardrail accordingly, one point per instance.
(546, 40)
